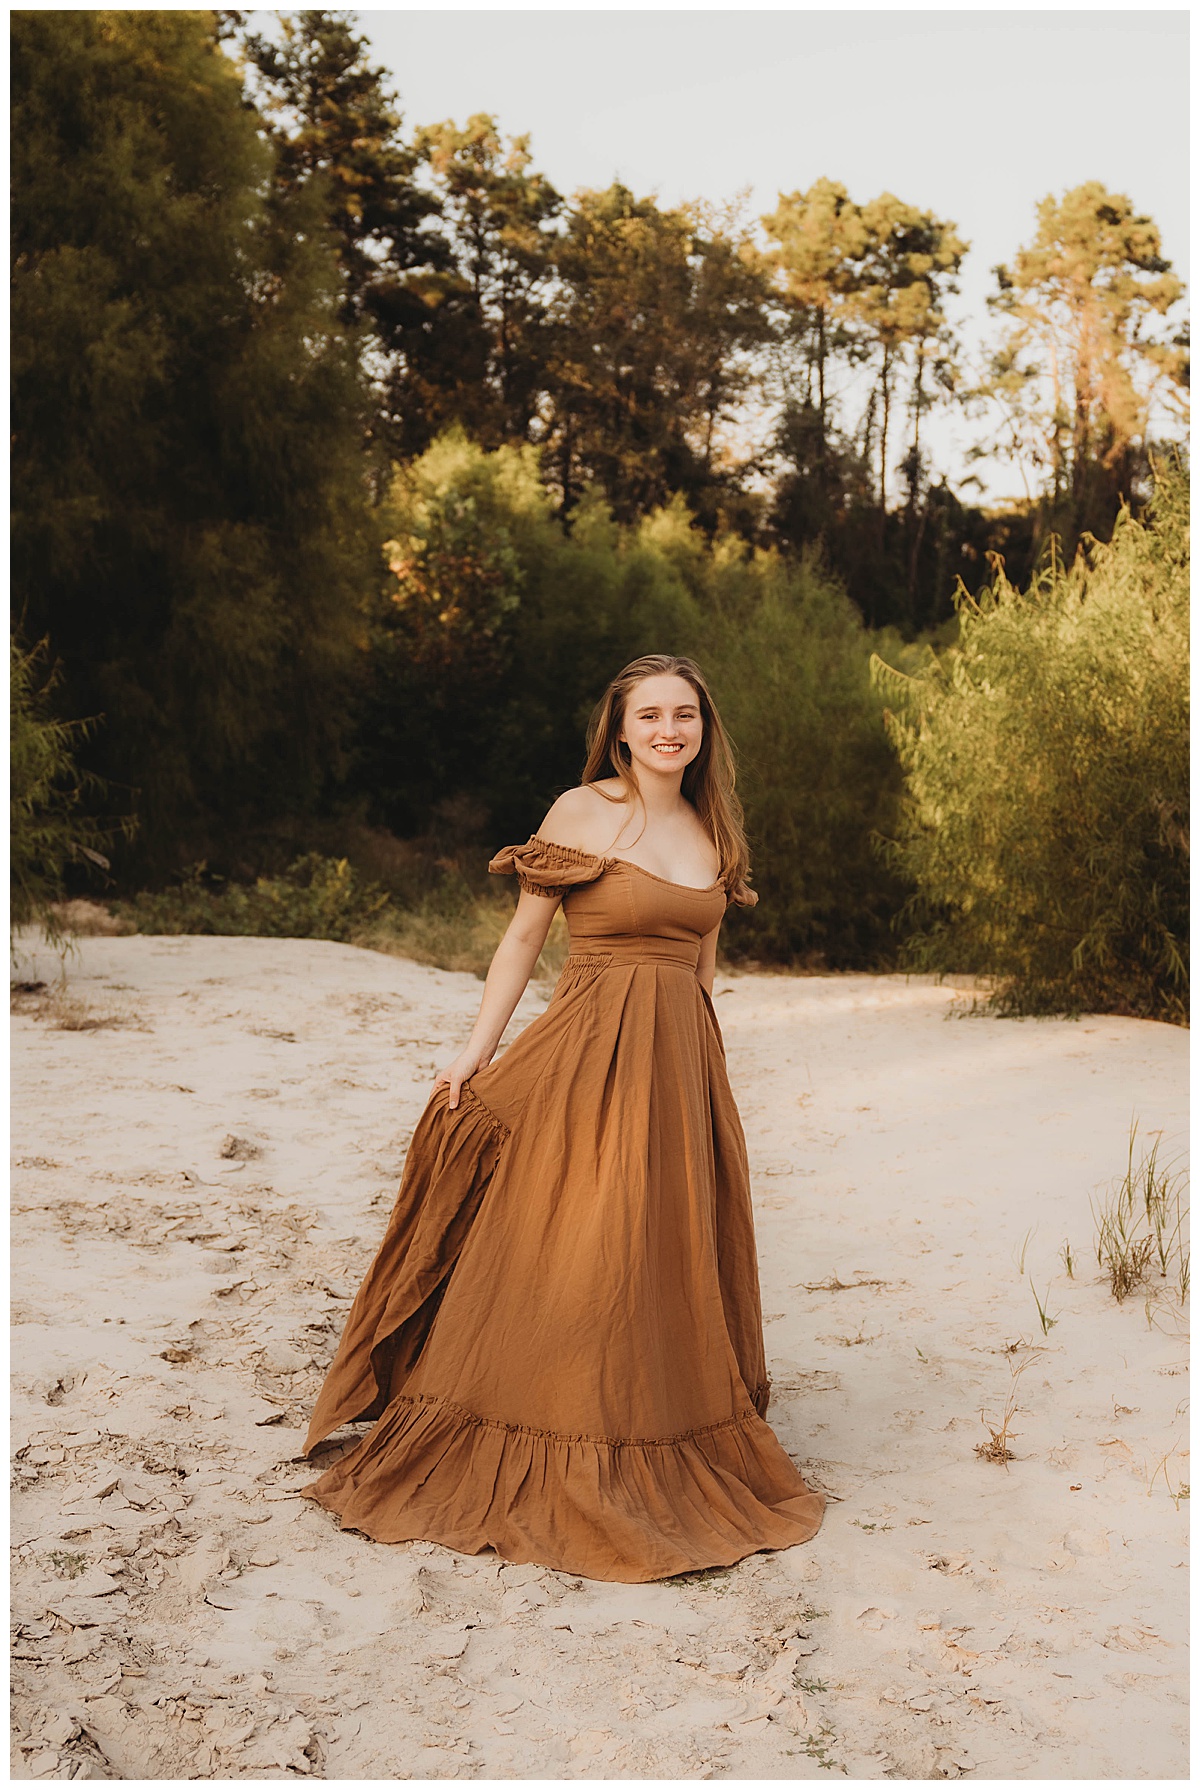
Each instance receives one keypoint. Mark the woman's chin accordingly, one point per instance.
(665, 766)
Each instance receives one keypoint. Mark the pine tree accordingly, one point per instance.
(1082, 367)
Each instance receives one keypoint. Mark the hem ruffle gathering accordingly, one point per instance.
(625, 1510)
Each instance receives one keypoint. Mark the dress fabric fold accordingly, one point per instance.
(559, 1343)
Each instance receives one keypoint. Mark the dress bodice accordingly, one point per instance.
(615, 908)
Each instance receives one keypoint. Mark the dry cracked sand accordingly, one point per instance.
(207, 1139)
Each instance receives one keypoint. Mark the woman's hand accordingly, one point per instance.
(460, 1070)
(507, 979)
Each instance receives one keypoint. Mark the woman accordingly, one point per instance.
(559, 1342)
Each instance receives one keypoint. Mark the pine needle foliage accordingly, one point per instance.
(1045, 815)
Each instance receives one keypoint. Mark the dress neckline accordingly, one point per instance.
(572, 851)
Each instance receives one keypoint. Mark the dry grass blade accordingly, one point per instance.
(1024, 1247)
(996, 1447)
(834, 1285)
(62, 1010)
(1177, 1493)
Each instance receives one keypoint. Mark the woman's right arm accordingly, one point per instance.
(507, 980)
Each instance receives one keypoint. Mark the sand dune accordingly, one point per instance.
(208, 1135)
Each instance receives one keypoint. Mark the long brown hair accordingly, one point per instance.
(707, 782)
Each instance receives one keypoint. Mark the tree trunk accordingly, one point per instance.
(886, 395)
(822, 351)
(918, 399)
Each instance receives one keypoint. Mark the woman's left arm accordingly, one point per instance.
(706, 968)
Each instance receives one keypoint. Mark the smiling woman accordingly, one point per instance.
(559, 1343)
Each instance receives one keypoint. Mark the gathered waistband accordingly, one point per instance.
(685, 957)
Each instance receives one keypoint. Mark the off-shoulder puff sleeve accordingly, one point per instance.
(740, 894)
(542, 868)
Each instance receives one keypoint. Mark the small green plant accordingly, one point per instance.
(68, 1566)
(817, 1747)
(1142, 1224)
(1067, 1259)
(718, 1579)
(812, 1687)
(1044, 1318)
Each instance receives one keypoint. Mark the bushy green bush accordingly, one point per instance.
(453, 925)
(317, 898)
(1045, 818)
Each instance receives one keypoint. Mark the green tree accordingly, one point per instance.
(482, 362)
(820, 238)
(189, 528)
(658, 320)
(1081, 368)
(500, 627)
(494, 635)
(864, 284)
(905, 272)
(333, 119)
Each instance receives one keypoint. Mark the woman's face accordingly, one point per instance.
(662, 725)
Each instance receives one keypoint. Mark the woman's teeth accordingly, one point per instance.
(670, 749)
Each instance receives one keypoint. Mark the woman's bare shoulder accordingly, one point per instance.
(585, 818)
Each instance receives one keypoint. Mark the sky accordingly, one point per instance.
(975, 115)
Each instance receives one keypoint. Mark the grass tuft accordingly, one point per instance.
(996, 1447)
(1141, 1227)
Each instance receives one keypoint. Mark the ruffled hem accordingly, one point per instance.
(451, 1160)
(629, 1511)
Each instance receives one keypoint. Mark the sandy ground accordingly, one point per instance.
(208, 1137)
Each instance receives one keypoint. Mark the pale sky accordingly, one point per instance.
(975, 115)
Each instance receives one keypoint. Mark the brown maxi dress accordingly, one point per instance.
(559, 1343)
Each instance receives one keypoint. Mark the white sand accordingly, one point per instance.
(175, 1311)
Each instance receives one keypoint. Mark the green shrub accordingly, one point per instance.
(788, 658)
(316, 898)
(453, 926)
(1045, 819)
